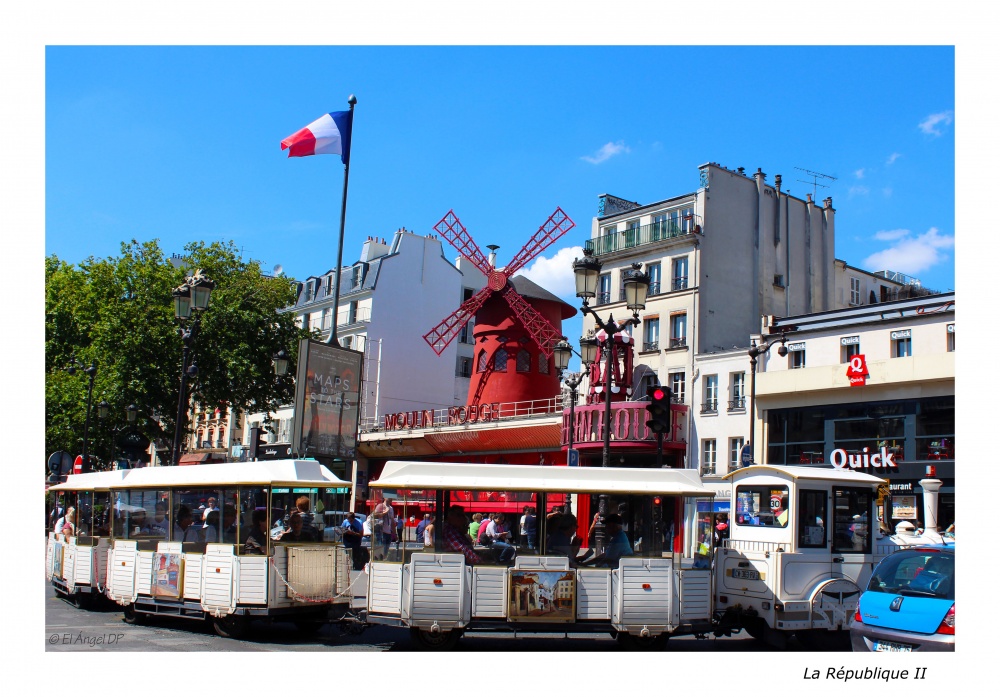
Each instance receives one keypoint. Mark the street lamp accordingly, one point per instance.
(754, 352)
(90, 371)
(636, 284)
(192, 296)
(280, 360)
(563, 353)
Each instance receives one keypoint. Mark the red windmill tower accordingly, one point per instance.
(510, 328)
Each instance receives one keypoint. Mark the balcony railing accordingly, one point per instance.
(644, 234)
(654, 287)
(680, 283)
(651, 346)
(678, 342)
(737, 403)
(603, 298)
(710, 406)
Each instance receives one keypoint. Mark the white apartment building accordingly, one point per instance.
(719, 258)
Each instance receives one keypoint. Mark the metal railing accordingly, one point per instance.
(651, 346)
(678, 341)
(644, 234)
(710, 406)
(680, 283)
(462, 414)
(754, 546)
(654, 287)
(602, 298)
(738, 403)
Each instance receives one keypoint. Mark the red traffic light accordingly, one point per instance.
(658, 393)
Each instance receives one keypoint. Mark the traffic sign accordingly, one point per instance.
(746, 457)
(573, 457)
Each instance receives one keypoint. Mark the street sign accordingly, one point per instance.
(746, 457)
(275, 451)
(573, 457)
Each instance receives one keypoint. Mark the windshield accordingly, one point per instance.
(923, 573)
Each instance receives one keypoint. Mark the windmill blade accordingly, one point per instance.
(445, 332)
(541, 330)
(451, 228)
(551, 230)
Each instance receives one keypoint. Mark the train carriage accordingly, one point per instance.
(230, 542)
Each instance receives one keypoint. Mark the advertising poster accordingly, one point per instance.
(548, 596)
(327, 393)
(904, 507)
(166, 575)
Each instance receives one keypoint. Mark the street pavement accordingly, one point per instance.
(68, 628)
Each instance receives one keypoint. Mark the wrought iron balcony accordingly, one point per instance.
(680, 283)
(651, 346)
(644, 234)
(678, 342)
(602, 298)
(710, 406)
(654, 287)
(737, 403)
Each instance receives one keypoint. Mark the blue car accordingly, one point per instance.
(909, 604)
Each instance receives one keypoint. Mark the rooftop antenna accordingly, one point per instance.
(816, 176)
(277, 269)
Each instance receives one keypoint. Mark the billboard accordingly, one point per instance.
(327, 394)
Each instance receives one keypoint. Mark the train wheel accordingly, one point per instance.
(232, 626)
(133, 617)
(635, 642)
(84, 601)
(440, 641)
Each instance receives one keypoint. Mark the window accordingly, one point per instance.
(762, 505)
(352, 312)
(466, 336)
(797, 357)
(464, 367)
(677, 387)
(357, 276)
(654, 278)
(901, 346)
(678, 330)
(500, 360)
(680, 274)
(481, 363)
(779, 280)
(543, 364)
(708, 456)
(737, 400)
(851, 510)
(604, 289)
(951, 337)
(329, 284)
(812, 518)
(711, 403)
(327, 313)
(735, 450)
(660, 229)
(855, 291)
(632, 233)
(523, 361)
(651, 334)
(687, 220)
(310, 291)
(849, 346)
(348, 341)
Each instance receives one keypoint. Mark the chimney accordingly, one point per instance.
(828, 202)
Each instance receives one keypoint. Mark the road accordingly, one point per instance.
(68, 628)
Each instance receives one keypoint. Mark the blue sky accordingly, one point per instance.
(182, 143)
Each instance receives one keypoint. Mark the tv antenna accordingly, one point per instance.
(816, 177)
(277, 269)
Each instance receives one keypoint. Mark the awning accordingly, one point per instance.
(193, 458)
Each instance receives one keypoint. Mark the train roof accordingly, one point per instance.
(399, 474)
(264, 473)
(848, 476)
(91, 481)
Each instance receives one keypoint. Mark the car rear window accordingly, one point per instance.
(919, 573)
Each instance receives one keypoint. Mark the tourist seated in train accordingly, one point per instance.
(229, 524)
(211, 528)
(137, 521)
(498, 537)
(616, 547)
(159, 524)
(562, 539)
(297, 531)
(256, 537)
(302, 505)
(184, 530)
(453, 537)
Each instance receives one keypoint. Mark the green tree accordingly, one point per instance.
(118, 312)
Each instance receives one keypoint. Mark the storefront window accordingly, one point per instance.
(852, 513)
(764, 506)
(812, 518)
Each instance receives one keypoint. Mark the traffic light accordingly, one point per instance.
(658, 409)
(257, 441)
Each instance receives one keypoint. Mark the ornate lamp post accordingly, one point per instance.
(192, 296)
(754, 352)
(563, 353)
(91, 372)
(636, 283)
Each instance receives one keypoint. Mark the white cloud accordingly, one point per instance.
(929, 125)
(606, 152)
(857, 191)
(912, 255)
(893, 157)
(860, 173)
(555, 273)
(889, 235)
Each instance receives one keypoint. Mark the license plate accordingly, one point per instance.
(747, 574)
(889, 646)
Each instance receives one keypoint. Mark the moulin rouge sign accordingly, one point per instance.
(456, 416)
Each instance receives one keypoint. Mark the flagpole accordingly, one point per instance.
(332, 339)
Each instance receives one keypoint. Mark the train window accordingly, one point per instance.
(141, 514)
(852, 512)
(765, 506)
(197, 515)
(812, 518)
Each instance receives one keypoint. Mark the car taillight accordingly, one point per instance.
(948, 623)
(857, 616)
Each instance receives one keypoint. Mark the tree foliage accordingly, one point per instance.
(118, 312)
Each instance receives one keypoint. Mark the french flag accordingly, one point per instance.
(330, 134)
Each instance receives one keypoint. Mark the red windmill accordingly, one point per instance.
(498, 285)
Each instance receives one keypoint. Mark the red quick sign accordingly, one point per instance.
(857, 370)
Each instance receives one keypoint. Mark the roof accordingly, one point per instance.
(293, 472)
(529, 289)
(399, 474)
(801, 472)
(91, 481)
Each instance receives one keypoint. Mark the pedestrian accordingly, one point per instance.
(384, 525)
(531, 528)
(424, 522)
(721, 532)
(353, 534)
(429, 537)
(399, 530)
